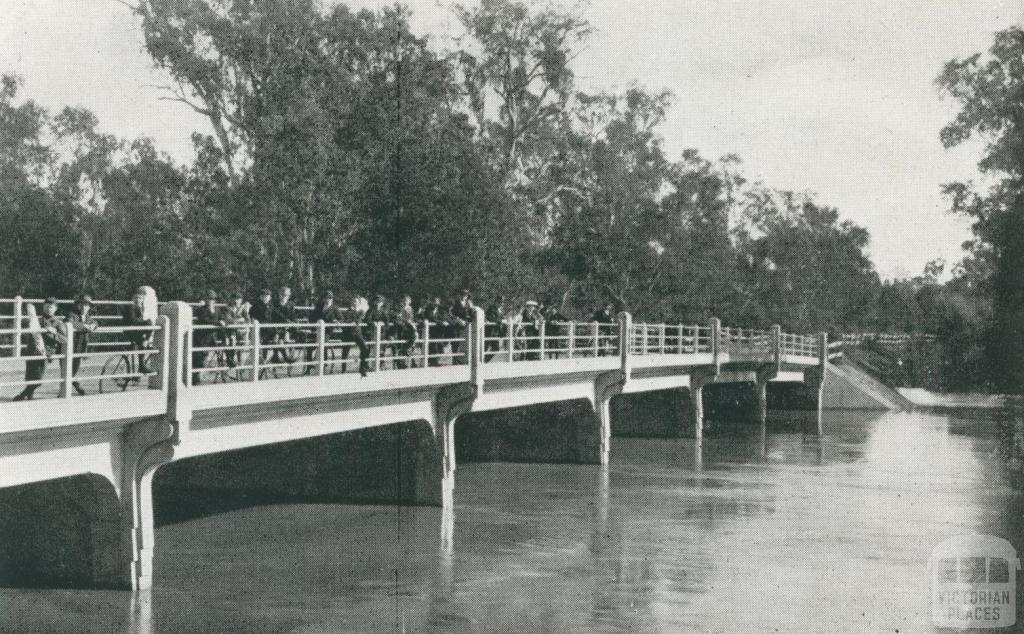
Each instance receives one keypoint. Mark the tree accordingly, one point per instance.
(612, 235)
(990, 91)
(515, 60)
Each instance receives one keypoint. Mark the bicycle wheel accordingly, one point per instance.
(111, 368)
(292, 356)
(241, 368)
(214, 360)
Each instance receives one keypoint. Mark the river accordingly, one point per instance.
(744, 532)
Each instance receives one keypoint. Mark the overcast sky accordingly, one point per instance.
(832, 97)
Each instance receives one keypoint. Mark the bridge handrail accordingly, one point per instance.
(253, 351)
(119, 368)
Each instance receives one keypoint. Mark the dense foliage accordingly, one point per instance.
(990, 92)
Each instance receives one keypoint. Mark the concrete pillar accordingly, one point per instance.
(146, 446)
(697, 407)
(171, 340)
(602, 407)
(761, 398)
(449, 403)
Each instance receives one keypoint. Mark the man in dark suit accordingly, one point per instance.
(43, 340)
(81, 321)
(207, 316)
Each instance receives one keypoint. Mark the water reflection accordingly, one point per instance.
(750, 530)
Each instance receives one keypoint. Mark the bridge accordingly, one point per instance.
(198, 396)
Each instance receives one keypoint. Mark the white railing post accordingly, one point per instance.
(68, 361)
(321, 346)
(662, 343)
(256, 351)
(597, 339)
(644, 345)
(572, 339)
(18, 312)
(716, 330)
(777, 346)
(625, 343)
(540, 335)
(426, 343)
(823, 351)
(511, 341)
(188, 344)
(696, 339)
(475, 348)
(377, 330)
(175, 331)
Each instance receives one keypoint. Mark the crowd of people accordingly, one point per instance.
(223, 324)
(401, 324)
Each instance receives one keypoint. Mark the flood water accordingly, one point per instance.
(746, 532)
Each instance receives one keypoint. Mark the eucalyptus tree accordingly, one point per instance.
(989, 89)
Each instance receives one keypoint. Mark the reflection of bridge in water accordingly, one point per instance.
(118, 440)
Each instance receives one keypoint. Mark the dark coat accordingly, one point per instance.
(82, 327)
(132, 316)
(204, 316)
(261, 312)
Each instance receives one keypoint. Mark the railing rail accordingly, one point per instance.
(83, 369)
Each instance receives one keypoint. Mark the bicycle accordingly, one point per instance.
(126, 369)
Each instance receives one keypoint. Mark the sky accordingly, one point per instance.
(831, 97)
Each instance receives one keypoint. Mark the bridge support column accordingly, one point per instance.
(697, 382)
(449, 404)
(146, 446)
(761, 401)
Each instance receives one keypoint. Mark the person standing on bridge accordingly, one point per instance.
(459, 317)
(328, 312)
(359, 334)
(133, 316)
(433, 316)
(42, 340)
(529, 329)
(405, 329)
(81, 321)
(208, 318)
(282, 311)
(604, 317)
(496, 328)
(556, 328)
(379, 313)
(233, 318)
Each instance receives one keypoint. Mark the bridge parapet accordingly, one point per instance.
(188, 357)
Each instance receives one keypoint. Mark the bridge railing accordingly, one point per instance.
(512, 340)
(14, 321)
(122, 360)
(798, 345)
(746, 341)
(255, 351)
(650, 339)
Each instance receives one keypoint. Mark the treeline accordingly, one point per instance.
(349, 154)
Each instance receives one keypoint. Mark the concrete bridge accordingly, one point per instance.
(102, 450)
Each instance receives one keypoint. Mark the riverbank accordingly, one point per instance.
(921, 397)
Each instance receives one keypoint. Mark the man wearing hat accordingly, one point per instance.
(134, 315)
(329, 313)
(43, 340)
(460, 316)
(262, 310)
(529, 328)
(380, 312)
(207, 316)
(81, 321)
(233, 317)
